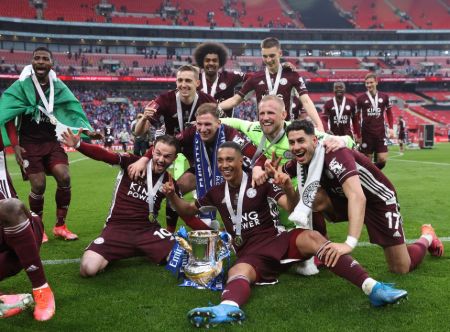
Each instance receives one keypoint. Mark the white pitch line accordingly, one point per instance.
(77, 260)
(70, 162)
(420, 162)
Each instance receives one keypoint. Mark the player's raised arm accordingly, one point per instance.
(230, 102)
(92, 151)
(311, 110)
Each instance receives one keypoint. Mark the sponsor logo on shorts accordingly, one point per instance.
(99, 240)
(310, 193)
(397, 234)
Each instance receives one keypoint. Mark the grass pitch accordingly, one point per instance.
(133, 295)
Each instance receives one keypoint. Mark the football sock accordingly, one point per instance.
(348, 268)
(36, 203)
(41, 287)
(368, 285)
(230, 303)
(237, 290)
(62, 198)
(429, 238)
(319, 223)
(417, 252)
(20, 238)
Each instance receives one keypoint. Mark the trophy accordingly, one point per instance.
(205, 256)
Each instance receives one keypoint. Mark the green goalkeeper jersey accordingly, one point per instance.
(254, 132)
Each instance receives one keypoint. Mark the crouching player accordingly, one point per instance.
(20, 238)
(250, 215)
(131, 227)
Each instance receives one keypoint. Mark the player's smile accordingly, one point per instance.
(270, 118)
(211, 64)
(207, 126)
(302, 146)
(230, 165)
(42, 63)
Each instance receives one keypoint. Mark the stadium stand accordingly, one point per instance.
(425, 15)
(19, 8)
(372, 14)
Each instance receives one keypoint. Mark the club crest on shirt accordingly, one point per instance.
(310, 193)
(336, 167)
(222, 86)
(99, 240)
(380, 100)
(283, 81)
(251, 192)
(347, 107)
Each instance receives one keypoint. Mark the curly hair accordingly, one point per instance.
(211, 48)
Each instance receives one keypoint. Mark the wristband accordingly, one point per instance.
(351, 241)
(77, 145)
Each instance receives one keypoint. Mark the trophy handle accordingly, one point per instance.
(184, 244)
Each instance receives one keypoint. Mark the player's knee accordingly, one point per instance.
(64, 180)
(12, 212)
(88, 268)
(38, 187)
(399, 268)
(309, 242)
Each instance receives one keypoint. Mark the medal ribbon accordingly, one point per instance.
(180, 110)
(48, 105)
(152, 190)
(273, 91)
(236, 218)
(372, 101)
(339, 110)
(205, 85)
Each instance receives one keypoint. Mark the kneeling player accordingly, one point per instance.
(129, 230)
(250, 216)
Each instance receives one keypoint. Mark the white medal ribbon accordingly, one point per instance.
(180, 110)
(152, 190)
(339, 110)
(48, 105)
(236, 218)
(261, 149)
(205, 85)
(372, 101)
(273, 91)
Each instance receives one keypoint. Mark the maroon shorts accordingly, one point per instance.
(9, 262)
(384, 223)
(120, 241)
(268, 267)
(371, 144)
(43, 157)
